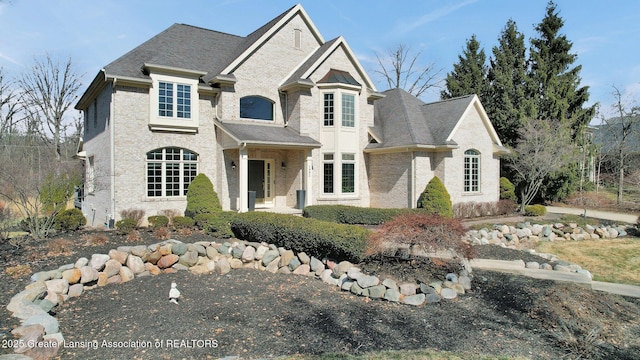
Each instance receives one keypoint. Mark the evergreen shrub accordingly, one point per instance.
(317, 238)
(183, 222)
(507, 190)
(219, 225)
(158, 221)
(343, 214)
(69, 220)
(435, 199)
(126, 225)
(201, 197)
(535, 210)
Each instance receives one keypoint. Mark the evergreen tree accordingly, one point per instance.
(506, 103)
(558, 92)
(469, 75)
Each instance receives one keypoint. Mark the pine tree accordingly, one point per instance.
(469, 75)
(559, 95)
(506, 103)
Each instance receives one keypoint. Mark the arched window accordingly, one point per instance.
(170, 170)
(256, 107)
(471, 171)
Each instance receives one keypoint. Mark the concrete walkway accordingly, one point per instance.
(518, 267)
(605, 215)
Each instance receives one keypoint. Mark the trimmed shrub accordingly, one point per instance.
(314, 237)
(343, 214)
(201, 198)
(69, 220)
(507, 190)
(157, 221)
(136, 215)
(399, 237)
(535, 210)
(435, 199)
(170, 213)
(126, 226)
(219, 225)
(183, 222)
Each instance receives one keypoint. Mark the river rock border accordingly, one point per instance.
(514, 237)
(34, 305)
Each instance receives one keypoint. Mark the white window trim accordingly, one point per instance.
(471, 178)
(337, 109)
(163, 173)
(157, 122)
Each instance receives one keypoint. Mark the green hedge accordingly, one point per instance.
(314, 237)
(343, 214)
(183, 222)
(219, 224)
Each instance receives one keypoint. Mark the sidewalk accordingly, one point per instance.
(518, 267)
(605, 215)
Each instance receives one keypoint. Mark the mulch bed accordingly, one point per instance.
(255, 314)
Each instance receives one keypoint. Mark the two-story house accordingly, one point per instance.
(267, 115)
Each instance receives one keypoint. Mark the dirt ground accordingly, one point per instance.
(254, 314)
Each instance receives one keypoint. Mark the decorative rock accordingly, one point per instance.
(366, 281)
(465, 281)
(377, 292)
(272, 267)
(248, 254)
(408, 289)
(303, 269)
(342, 268)
(75, 290)
(119, 256)
(237, 250)
(140, 251)
(102, 279)
(212, 253)
(154, 256)
(452, 277)
(286, 258)
(198, 248)
(346, 284)
(223, 266)
(235, 263)
(49, 322)
(112, 267)
(72, 276)
(437, 286)
(562, 268)
(284, 270)
(98, 260)
(432, 298)
(532, 265)
(316, 265)
(325, 275)
(179, 249)
(81, 263)
(189, 258)
(260, 251)
(135, 263)
(294, 263)
(585, 272)
(356, 289)
(165, 249)
(126, 274)
(392, 295)
(46, 305)
(269, 256)
(167, 261)
(448, 294)
(304, 258)
(415, 300)
(152, 269)
(458, 288)
(116, 279)
(390, 284)
(88, 274)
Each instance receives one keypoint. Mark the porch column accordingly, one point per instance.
(308, 177)
(243, 174)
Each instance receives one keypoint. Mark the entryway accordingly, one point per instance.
(261, 180)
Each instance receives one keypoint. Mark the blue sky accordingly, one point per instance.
(93, 33)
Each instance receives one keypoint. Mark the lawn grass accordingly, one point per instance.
(615, 260)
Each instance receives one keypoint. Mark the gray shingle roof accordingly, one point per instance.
(401, 119)
(181, 46)
(257, 134)
(310, 61)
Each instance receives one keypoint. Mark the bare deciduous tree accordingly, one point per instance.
(620, 136)
(543, 149)
(400, 69)
(9, 106)
(48, 91)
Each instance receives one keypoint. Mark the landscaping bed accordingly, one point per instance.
(257, 314)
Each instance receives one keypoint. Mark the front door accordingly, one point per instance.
(261, 180)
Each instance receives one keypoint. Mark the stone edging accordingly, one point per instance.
(50, 288)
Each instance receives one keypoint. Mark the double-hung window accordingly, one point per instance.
(328, 168)
(348, 173)
(348, 110)
(174, 100)
(170, 171)
(328, 109)
(471, 171)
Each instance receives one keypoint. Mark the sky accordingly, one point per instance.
(93, 33)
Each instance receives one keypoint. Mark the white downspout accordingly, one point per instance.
(112, 133)
(412, 202)
(243, 177)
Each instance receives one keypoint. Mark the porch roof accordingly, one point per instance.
(260, 135)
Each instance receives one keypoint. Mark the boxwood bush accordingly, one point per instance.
(435, 199)
(158, 221)
(343, 214)
(183, 222)
(219, 224)
(126, 226)
(314, 237)
(69, 220)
